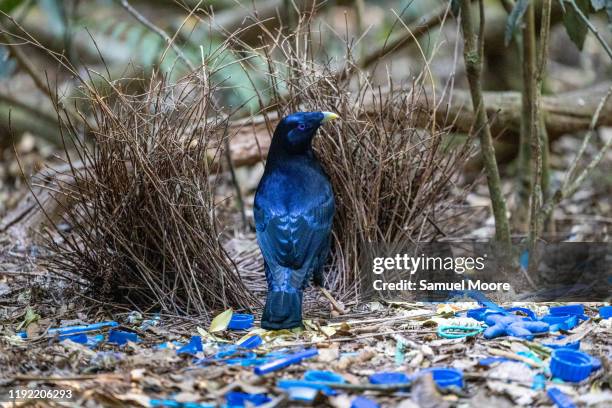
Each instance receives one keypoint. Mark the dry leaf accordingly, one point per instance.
(221, 322)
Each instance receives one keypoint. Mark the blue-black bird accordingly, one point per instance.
(294, 210)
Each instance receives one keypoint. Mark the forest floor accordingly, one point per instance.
(370, 338)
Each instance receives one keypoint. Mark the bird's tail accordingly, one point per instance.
(283, 310)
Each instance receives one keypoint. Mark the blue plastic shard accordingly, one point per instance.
(363, 402)
(286, 361)
(236, 399)
(323, 376)
(122, 337)
(605, 312)
(77, 338)
(81, 329)
(193, 347)
(560, 399)
(287, 384)
(169, 403)
(251, 342)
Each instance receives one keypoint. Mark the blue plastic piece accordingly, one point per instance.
(363, 402)
(121, 337)
(596, 363)
(570, 365)
(557, 344)
(445, 377)
(323, 376)
(285, 361)
(251, 342)
(560, 399)
(513, 326)
(560, 322)
(193, 347)
(485, 362)
(605, 312)
(389, 378)
(539, 382)
(82, 329)
(286, 384)
(240, 322)
(77, 338)
(575, 310)
(175, 404)
(236, 399)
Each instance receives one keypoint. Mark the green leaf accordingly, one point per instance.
(515, 19)
(220, 322)
(7, 6)
(30, 317)
(574, 25)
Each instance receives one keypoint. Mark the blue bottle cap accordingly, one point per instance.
(363, 402)
(323, 376)
(445, 377)
(605, 312)
(238, 399)
(240, 322)
(575, 310)
(389, 378)
(570, 365)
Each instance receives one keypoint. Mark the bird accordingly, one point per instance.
(294, 209)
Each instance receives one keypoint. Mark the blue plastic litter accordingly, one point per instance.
(175, 404)
(285, 361)
(236, 399)
(595, 363)
(323, 376)
(576, 310)
(605, 312)
(193, 347)
(485, 362)
(77, 338)
(560, 399)
(302, 394)
(287, 384)
(122, 337)
(539, 382)
(251, 342)
(559, 343)
(81, 329)
(445, 377)
(389, 378)
(240, 322)
(560, 322)
(513, 325)
(363, 402)
(570, 365)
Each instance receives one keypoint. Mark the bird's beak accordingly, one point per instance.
(328, 116)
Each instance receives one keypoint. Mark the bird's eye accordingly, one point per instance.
(301, 126)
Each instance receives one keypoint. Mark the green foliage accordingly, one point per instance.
(515, 19)
(574, 23)
(7, 6)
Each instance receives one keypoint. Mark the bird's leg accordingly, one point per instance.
(335, 304)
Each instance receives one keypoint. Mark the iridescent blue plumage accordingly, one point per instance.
(294, 210)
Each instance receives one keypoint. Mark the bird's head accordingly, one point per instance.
(294, 132)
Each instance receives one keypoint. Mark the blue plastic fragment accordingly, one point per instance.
(175, 404)
(539, 382)
(323, 376)
(576, 310)
(363, 402)
(236, 399)
(560, 399)
(122, 337)
(240, 322)
(193, 347)
(570, 365)
(492, 360)
(389, 378)
(605, 312)
(251, 342)
(445, 377)
(287, 384)
(285, 361)
(513, 326)
(558, 343)
(77, 338)
(560, 322)
(82, 329)
(524, 259)
(93, 341)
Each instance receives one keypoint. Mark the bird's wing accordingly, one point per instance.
(295, 239)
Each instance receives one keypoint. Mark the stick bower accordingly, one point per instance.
(139, 224)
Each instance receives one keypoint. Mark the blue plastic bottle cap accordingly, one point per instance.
(570, 365)
(323, 376)
(389, 378)
(574, 310)
(445, 377)
(240, 322)
(363, 402)
(605, 312)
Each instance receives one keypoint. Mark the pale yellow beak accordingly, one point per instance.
(328, 116)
